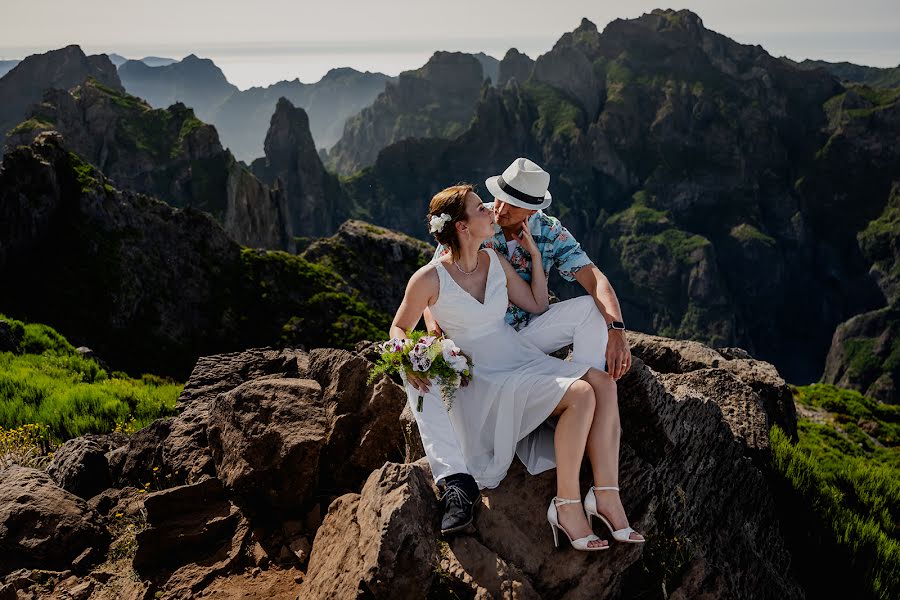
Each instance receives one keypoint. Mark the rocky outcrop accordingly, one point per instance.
(392, 523)
(315, 201)
(193, 533)
(863, 354)
(770, 398)
(291, 433)
(60, 69)
(686, 481)
(266, 438)
(42, 525)
(166, 153)
(80, 465)
(148, 286)
(349, 252)
(435, 101)
(570, 67)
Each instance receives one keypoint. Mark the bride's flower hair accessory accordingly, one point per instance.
(437, 222)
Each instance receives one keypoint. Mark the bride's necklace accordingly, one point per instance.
(467, 272)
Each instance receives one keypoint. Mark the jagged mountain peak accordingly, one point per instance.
(59, 69)
(586, 25)
(515, 65)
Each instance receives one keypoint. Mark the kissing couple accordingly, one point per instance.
(486, 288)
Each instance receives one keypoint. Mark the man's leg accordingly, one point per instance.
(448, 467)
(578, 322)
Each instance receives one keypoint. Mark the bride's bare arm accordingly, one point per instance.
(533, 298)
(431, 323)
(421, 291)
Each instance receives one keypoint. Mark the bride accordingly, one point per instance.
(515, 387)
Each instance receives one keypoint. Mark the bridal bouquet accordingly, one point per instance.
(436, 358)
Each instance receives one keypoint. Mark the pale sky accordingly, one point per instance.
(267, 40)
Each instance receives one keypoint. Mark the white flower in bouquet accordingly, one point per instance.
(453, 355)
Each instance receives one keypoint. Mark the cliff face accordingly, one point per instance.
(149, 286)
(61, 69)
(436, 100)
(169, 154)
(719, 188)
(316, 204)
(865, 350)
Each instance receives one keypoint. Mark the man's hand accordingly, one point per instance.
(618, 354)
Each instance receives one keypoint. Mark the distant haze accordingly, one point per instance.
(270, 40)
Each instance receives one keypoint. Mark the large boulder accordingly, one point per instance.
(769, 399)
(270, 437)
(380, 543)
(80, 465)
(177, 447)
(266, 438)
(364, 419)
(693, 477)
(42, 525)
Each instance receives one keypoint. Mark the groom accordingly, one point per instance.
(592, 323)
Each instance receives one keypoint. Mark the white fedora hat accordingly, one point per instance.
(523, 184)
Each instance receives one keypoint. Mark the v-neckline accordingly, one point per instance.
(487, 279)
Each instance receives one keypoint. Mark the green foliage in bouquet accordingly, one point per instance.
(423, 354)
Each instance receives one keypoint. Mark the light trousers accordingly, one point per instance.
(577, 321)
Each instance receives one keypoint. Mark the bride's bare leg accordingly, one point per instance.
(603, 448)
(575, 412)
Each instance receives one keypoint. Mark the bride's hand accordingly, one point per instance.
(421, 383)
(526, 239)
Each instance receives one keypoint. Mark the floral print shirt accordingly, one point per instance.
(557, 247)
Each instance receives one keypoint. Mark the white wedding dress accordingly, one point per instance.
(514, 385)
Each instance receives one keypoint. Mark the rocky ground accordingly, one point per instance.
(284, 474)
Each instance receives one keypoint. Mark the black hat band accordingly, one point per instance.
(517, 194)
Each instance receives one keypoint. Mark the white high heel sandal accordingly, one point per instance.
(553, 517)
(590, 507)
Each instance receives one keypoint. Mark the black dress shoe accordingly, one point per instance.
(459, 498)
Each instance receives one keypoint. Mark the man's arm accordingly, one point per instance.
(595, 283)
(573, 264)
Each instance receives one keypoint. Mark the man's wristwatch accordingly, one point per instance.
(616, 325)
